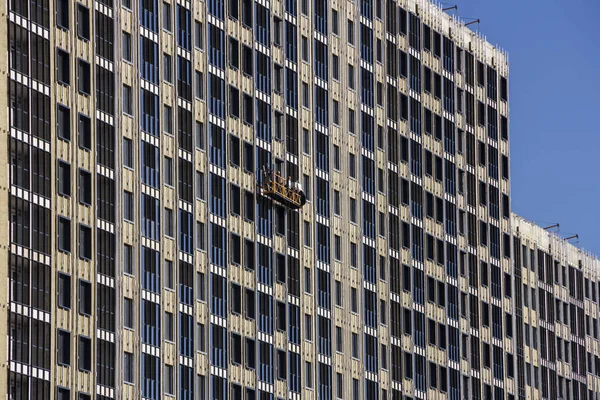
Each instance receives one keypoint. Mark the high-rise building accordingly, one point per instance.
(556, 288)
(150, 253)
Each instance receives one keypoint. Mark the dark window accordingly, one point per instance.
(235, 200)
(64, 178)
(62, 13)
(126, 43)
(236, 249)
(85, 297)
(83, 77)
(64, 290)
(85, 187)
(84, 132)
(128, 313)
(64, 234)
(84, 354)
(85, 242)
(63, 68)
(63, 122)
(234, 102)
(63, 394)
(248, 157)
(83, 22)
(236, 298)
(247, 60)
(63, 347)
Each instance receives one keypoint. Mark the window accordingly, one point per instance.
(167, 68)
(355, 345)
(351, 76)
(85, 297)
(336, 157)
(353, 300)
(338, 293)
(85, 187)
(199, 35)
(199, 135)
(247, 60)
(200, 245)
(169, 326)
(168, 120)
(234, 200)
(335, 66)
(200, 85)
(307, 232)
(168, 171)
(248, 205)
(276, 29)
(236, 349)
(83, 22)
(127, 100)
(307, 280)
(352, 210)
(169, 387)
(339, 339)
(351, 32)
(169, 274)
(62, 13)
(335, 28)
(236, 298)
(128, 259)
(306, 186)
(64, 178)
(83, 77)
(305, 56)
(127, 153)
(234, 53)
(85, 242)
(308, 374)
(168, 222)
(128, 367)
(248, 109)
(305, 95)
(336, 112)
(338, 248)
(166, 17)
(281, 317)
(63, 347)
(128, 313)
(63, 122)
(352, 165)
(305, 141)
(64, 290)
(353, 255)
(63, 68)
(200, 294)
(234, 101)
(64, 234)
(128, 206)
(351, 120)
(127, 48)
(84, 355)
(308, 327)
(63, 393)
(84, 132)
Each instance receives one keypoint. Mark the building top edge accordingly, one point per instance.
(549, 240)
(431, 12)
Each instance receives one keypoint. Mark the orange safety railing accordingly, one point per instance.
(274, 183)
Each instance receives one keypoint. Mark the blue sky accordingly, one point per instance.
(554, 53)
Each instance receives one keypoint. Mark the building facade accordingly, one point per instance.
(556, 316)
(145, 261)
